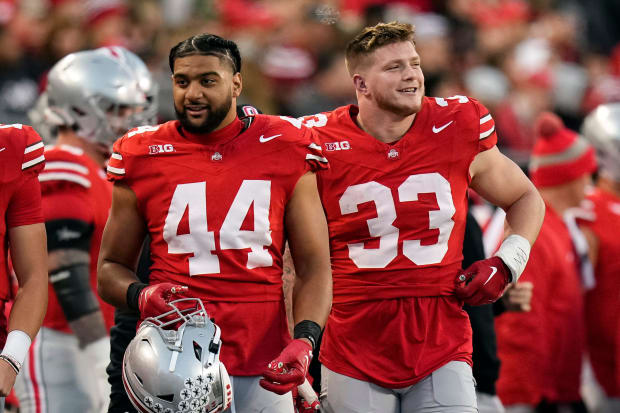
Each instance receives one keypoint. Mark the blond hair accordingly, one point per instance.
(374, 37)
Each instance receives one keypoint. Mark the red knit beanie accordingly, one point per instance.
(559, 155)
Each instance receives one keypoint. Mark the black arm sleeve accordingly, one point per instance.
(486, 362)
(71, 282)
(123, 331)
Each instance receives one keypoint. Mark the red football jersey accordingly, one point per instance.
(215, 206)
(75, 187)
(21, 159)
(396, 215)
(541, 350)
(603, 301)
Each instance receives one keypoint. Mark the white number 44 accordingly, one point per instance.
(201, 242)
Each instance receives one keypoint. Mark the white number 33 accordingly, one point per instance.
(382, 227)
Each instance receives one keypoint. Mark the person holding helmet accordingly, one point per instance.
(91, 97)
(600, 225)
(159, 376)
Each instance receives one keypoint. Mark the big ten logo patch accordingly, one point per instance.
(155, 149)
(337, 146)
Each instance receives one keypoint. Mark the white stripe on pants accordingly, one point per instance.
(54, 378)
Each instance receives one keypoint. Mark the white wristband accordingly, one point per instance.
(515, 251)
(17, 345)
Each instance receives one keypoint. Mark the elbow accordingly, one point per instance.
(102, 282)
(540, 204)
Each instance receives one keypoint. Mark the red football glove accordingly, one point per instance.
(289, 369)
(483, 282)
(154, 299)
(305, 399)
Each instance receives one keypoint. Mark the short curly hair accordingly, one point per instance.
(374, 37)
(208, 45)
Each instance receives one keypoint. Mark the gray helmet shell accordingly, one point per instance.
(602, 129)
(177, 370)
(145, 81)
(88, 90)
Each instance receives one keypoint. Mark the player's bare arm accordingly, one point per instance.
(307, 234)
(120, 247)
(501, 182)
(309, 245)
(28, 253)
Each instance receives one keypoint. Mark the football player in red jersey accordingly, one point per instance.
(600, 226)
(219, 197)
(397, 338)
(541, 350)
(91, 99)
(23, 233)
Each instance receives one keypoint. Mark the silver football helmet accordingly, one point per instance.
(145, 80)
(95, 94)
(170, 370)
(602, 128)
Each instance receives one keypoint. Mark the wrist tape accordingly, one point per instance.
(515, 251)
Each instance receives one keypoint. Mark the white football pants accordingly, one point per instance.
(250, 397)
(449, 389)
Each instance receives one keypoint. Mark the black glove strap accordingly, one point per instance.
(133, 295)
(308, 329)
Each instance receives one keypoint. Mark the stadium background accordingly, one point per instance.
(518, 57)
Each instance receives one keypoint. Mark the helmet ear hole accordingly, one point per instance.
(167, 397)
(197, 351)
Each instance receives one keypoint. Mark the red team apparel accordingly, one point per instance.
(214, 206)
(75, 187)
(21, 160)
(602, 303)
(541, 350)
(396, 216)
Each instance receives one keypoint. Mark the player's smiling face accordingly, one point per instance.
(394, 78)
(203, 91)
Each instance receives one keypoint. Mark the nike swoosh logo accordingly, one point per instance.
(437, 130)
(493, 271)
(2, 149)
(262, 139)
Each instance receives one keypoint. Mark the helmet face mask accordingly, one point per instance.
(602, 129)
(173, 364)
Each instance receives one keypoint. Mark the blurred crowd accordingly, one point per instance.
(518, 57)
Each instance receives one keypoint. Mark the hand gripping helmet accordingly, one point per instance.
(171, 370)
(95, 94)
(602, 128)
(145, 80)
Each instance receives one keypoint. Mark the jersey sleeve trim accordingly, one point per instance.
(116, 171)
(485, 118)
(488, 133)
(33, 147)
(65, 176)
(316, 158)
(33, 162)
(70, 166)
(487, 126)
